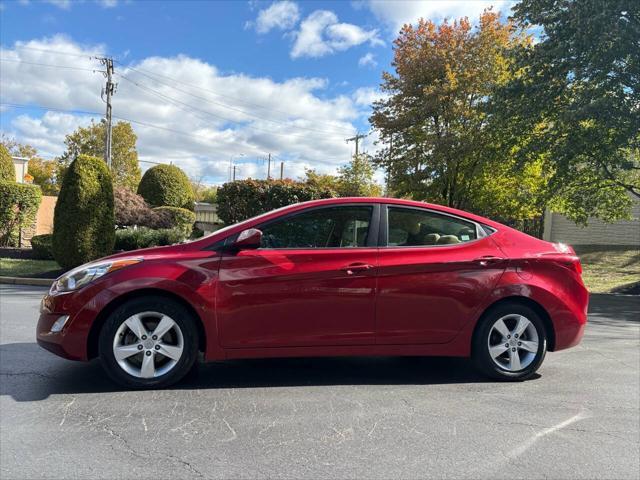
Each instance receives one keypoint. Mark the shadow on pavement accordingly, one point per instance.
(29, 373)
(610, 309)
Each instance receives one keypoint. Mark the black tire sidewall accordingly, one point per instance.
(169, 307)
(481, 356)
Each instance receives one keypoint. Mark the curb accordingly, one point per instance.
(41, 282)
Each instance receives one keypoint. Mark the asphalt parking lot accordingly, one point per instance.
(325, 418)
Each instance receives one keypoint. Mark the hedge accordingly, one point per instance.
(166, 186)
(7, 170)
(180, 218)
(244, 199)
(83, 220)
(143, 237)
(19, 204)
(41, 246)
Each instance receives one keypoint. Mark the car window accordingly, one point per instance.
(333, 227)
(411, 227)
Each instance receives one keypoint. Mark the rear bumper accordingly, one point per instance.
(571, 320)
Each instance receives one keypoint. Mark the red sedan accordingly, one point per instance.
(348, 276)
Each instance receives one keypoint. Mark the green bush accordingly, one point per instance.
(143, 237)
(175, 217)
(196, 232)
(19, 204)
(83, 221)
(244, 199)
(166, 186)
(41, 246)
(7, 170)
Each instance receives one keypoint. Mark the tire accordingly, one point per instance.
(510, 342)
(144, 360)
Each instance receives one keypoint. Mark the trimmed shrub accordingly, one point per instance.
(244, 199)
(196, 232)
(19, 204)
(166, 186)
(41, 246)
(7, 170)
(130, 208)
(180, 218)
(83, 221)
(143, 237)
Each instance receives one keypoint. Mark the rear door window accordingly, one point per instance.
(410, 227)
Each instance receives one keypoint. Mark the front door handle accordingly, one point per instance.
(356, 267)
(488, 260)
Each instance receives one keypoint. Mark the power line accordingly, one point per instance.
(50, 65)
(84, 112)
(58, 52)
(150, 75)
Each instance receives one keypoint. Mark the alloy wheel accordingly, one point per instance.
(513, 342)
(148, 345)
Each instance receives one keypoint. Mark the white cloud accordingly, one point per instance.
(322, 34)
(108, 3)
(368, 60)
(283, 15)
(64, 4)
(206, 116)
(398, 12)
(365, 96)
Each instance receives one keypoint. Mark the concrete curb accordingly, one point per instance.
(41, 282)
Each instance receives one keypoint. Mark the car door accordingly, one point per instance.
(434, 269)
(312, 282)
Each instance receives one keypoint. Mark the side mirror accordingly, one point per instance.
(248, 239)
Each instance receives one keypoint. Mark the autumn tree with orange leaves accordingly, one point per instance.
(433, 122)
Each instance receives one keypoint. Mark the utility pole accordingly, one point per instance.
(234, 173)
(108, 90)
(356, 139)
(281, 170)
(269, 167)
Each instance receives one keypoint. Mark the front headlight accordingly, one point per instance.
(85, 274)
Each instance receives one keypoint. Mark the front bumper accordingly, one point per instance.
(82, 307)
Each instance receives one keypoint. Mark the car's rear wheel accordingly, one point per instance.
(510, 343)
(148, 342)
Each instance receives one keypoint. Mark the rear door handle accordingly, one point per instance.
(356, 267)
(488, 259)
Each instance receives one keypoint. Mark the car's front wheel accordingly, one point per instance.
(148, 342)
(510, 343)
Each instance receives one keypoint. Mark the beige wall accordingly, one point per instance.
(558, 228)
(21, 167)
(44, 219)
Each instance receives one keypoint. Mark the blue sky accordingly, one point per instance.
(207, 80)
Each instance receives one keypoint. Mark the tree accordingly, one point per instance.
(324, 181)
(42, 171)
(90, 141)
(576, 100)
(19, 204)
(166, 186)
(44, 175)
(353, 180)
(356, 179)
(83, 220)
(203, 192)
(7, 170)
(434, 120)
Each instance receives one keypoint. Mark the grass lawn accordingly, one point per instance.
(605, 268)
(14, 267)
